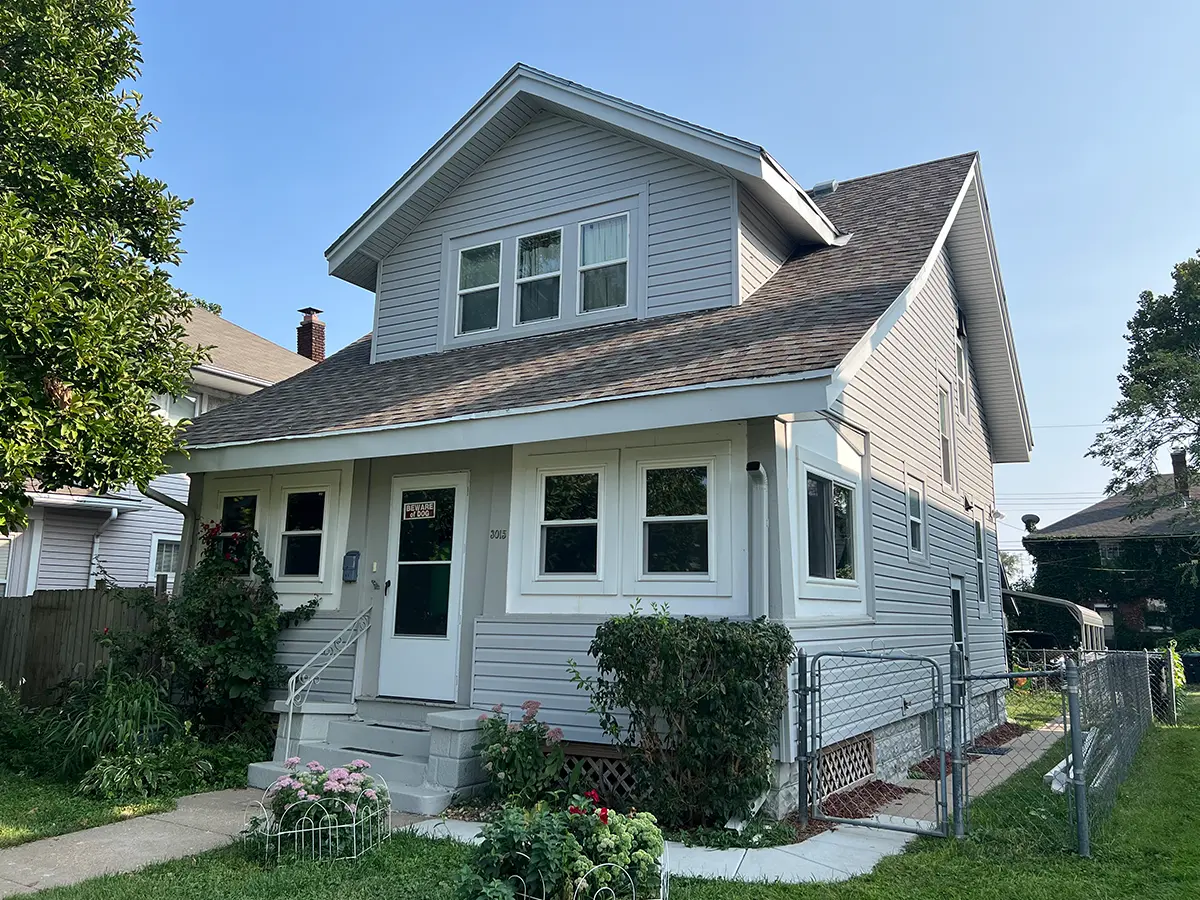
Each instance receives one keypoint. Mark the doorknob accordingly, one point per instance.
(387, 584)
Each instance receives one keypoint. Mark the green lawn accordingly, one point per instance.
(1033, 708)
(32, 808)
(1149, 849)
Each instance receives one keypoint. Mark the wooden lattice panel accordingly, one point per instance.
(846, 763)
(603, 768)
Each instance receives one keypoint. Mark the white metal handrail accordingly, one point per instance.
(307, 677)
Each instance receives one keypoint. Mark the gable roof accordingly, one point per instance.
(1110, 518)
(800, 324)
(508, 106)
(241, 354)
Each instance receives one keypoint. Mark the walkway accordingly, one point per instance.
(830, 856)
(198, 823)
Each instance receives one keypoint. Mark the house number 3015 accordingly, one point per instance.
(499, 534)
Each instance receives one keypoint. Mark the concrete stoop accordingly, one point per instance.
(424, 767)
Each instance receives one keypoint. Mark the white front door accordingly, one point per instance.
(422, 606)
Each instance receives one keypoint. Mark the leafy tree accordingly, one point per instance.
(1160, 389)
(211, 305)
(90, 325)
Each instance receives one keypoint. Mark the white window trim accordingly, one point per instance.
(518, 280)
(709, 464)
(912, 483)
(831, 588)
(580, 268)
(962, 372)
(283, 532)
(155, 539)
(945, 387)
(459, 292)
(980, 543)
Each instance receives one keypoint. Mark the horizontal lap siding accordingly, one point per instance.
(298, 644)
(125, 545)
(555, 163)
(894, 397)
(65, 561)
(763, 244)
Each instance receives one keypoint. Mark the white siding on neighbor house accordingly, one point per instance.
(126, 544)
(554, 164)
(65, 561)
(895, 397)
(763, 244)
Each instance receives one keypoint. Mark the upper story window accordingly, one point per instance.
(560, 271)
(1110, 553)
(478, 288)
(539, 278)
(946, 435)
(961, 370)
(175, 409)
(604, 264)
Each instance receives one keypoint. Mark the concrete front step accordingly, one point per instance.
(392, 739)
(421, 799)
(396, 768)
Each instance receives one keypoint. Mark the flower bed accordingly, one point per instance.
(319, 813)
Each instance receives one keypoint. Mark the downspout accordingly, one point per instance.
(112, 517)
(189, 524)
(760, 603)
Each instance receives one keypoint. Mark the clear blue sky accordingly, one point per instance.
(285, 120)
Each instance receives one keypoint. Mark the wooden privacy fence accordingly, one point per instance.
(48, 637)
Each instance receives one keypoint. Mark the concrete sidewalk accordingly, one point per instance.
(199, 823)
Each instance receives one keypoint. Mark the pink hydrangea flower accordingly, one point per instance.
(554, 736)
(315, 767)
(303, 794)
(498, 708)
(513, 727)
(360, 764)
(338, 774)
(531, 706)
(483, 717)
(370, 794)
(291, 762)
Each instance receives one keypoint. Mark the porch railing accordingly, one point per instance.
(308, 676)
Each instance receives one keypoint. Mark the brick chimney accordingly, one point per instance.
(1180, 468)
(310, 335)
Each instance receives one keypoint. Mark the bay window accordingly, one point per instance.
(539, 281)
(603, 263)
(478, 288)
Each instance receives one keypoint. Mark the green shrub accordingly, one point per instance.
(1188, 641)
(21, 734)
(703, 698)
(546, 853)
(523, 760)
(215, 639)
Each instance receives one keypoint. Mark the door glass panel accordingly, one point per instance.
(423, 576)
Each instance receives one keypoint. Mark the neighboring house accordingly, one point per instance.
(617, 356)
(76, 537)
(1130, 565)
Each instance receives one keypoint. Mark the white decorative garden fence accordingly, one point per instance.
(326, 828)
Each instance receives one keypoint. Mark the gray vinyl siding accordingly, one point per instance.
(763, 244)
(126, 544)
(297, 645)
(894, 396)
(553, 164)
(65, 560)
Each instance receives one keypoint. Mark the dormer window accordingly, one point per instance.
(479, 288)
(539, 276)
(604, 264)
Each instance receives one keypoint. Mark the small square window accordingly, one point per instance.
(539, 278)
(479, 288)
(831, 529)
(303, 528)
(604, 264)
(675, 532)
(570, 523)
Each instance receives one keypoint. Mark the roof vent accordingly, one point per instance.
(823, 187)
(1030, 521)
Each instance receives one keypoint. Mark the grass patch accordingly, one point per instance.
(1033, 709)
(33, 808)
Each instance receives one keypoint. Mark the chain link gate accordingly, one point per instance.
(872, 741)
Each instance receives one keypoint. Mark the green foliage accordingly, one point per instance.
(523, 760)
(703, 697)
(212, 306)
(90, 326)
(587, 851)
(1187, 641)
(21, 731)
(110, 713)
(215, 640)
(759, 832)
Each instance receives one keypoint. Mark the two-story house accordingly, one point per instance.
(77, 537)
(619, 356)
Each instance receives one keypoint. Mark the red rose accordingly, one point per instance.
(575, 810)
(594, 796)
(602, 815)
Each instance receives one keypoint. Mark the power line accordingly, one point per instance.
(1081, 425)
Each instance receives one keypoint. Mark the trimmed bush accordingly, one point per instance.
(703, 699)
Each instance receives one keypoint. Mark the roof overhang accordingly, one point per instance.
(691, 405)
(967, 237)
(521, 94)
(1080, 614)
(98, 502)
(210, 376)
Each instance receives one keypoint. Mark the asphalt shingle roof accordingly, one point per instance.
(1110, 518)
(807, 317)
(235, 349)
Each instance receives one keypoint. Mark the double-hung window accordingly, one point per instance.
(960, 364)
(831, 528)
(479, 288)
(303, 533)
(166, 557)
(239, 514)
(946, 434)
(174, 409)
(675, 523)
(915, 503)
(981, 566)
(604, 263)
(539, 276)
(569, 530)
